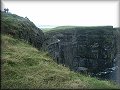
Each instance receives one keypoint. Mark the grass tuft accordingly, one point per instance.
(24, 67)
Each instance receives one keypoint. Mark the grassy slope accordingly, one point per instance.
(23, 28)
(45, 29)
(25, 67)
(13, 22)
(72, 29)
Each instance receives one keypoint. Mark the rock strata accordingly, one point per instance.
(93, 48)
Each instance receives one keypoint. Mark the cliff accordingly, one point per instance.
(25, 67)
(21, 28)
(91, 49)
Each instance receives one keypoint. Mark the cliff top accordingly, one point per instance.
(25, 67)
(21, 28)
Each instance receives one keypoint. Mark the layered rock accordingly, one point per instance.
(93, 48)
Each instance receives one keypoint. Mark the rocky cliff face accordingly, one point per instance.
(91, 49)
(118, 56)
(116, 74)
(22, 28)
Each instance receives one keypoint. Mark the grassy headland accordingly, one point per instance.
(25, 67)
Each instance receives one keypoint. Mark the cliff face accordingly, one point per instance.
(26, 67)
(117, 73)
(22, 28)
(91, 49)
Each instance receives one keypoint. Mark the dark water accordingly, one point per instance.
(115, 76)
(112, 74)
(109, 74)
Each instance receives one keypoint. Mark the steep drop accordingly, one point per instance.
(84, 49)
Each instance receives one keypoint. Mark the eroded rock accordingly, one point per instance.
(92, 47)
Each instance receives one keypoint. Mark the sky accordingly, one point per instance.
(60, 13)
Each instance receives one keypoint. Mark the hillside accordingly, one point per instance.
(21, 28)
(25, 67)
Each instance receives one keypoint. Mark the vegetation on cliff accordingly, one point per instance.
(25, 67)
(21, 28)
(71, 29)
(91, 47)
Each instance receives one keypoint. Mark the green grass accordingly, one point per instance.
(46, 29)
(79, 29)
(25, 67)
(73, 28)
(15, 22)
(22, 28)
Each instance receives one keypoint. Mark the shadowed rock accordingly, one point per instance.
(90, 47)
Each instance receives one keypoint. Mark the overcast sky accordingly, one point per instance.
(79, 13)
